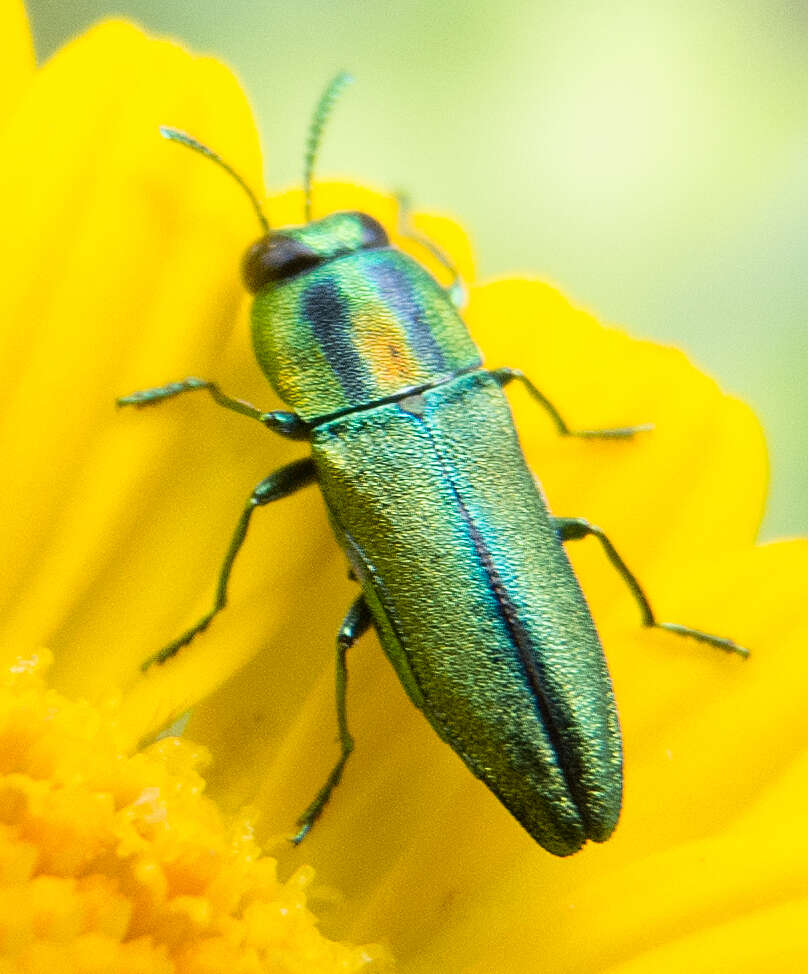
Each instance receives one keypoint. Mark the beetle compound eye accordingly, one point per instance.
(275, 257)
(373, 233)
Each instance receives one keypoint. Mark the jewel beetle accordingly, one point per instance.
(461, 568)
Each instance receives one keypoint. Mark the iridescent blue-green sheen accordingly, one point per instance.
(475, 601)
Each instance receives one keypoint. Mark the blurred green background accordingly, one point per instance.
(649, 158)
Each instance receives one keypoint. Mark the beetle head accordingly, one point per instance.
(280, 255)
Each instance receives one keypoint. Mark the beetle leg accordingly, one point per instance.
(279, 484)
(356, 622)
(285, 423)
(505, 375)
(575, 528)
(456, 290)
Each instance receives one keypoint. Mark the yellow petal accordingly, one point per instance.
(706, 451)
(17, 63)
(120, 266)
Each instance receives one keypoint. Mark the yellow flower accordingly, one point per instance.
(111, 862)
(120, 270)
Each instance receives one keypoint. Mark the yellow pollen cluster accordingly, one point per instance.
(112, 862)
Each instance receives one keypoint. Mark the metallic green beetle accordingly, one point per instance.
(461, 567)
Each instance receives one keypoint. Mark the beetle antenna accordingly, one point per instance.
(318, 120)
(174, 135)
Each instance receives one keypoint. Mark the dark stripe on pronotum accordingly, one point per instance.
(327, 313)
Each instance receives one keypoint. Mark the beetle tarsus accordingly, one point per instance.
(284, 423)
(357, 621)
(505, 375)
(279, 484)
(575, 528)
(719, 642)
